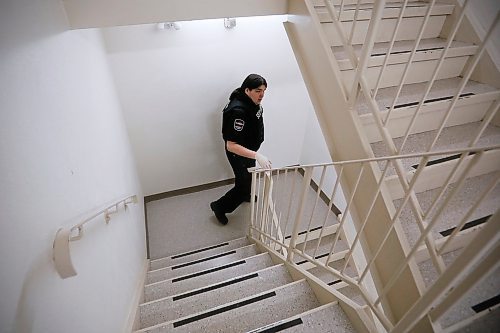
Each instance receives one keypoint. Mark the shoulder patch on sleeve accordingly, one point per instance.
(239, 124)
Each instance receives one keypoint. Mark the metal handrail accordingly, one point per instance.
(382, 158)
(270, 226)
(61, 250)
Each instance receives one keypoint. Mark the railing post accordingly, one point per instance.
(252, 203)
(305, 187)
(375, 19)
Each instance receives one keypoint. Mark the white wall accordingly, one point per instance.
(315, 151)
(482, 15)
(174, 84)
(64, 153)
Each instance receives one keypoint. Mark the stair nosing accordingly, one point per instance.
(439, 9)
(202, 248)
(213, 284)
(145, 329)
(187, 262)
(165, 280)
(300, 315)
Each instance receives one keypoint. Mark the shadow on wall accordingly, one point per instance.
(41, 271)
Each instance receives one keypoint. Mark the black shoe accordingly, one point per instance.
(247, 199)
(219, 214)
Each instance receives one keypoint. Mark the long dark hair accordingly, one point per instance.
(253, 81)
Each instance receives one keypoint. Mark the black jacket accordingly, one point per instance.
(242, 121)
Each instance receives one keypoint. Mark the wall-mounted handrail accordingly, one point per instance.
(61, 250)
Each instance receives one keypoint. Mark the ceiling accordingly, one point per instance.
(108, 13)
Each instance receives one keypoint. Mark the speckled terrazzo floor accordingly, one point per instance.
(186, 222)
(171, 287)
(399, 46)
(487, 288)
(169, 309)
(217, 260)
(454, 137)
(412, 93)
(458, 207)
(214, 249)
(288, 300)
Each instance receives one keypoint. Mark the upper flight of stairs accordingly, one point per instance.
(474, 109)
(232, 287)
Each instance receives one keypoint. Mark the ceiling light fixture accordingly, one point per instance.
(229, 23)
(168, 25)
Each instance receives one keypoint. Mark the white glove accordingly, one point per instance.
(263, 161)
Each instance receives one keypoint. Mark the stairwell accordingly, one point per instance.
(420, 91)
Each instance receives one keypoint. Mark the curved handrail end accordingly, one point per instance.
(62, 254)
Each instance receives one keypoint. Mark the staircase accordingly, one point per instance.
(233, 287)
(409, 86)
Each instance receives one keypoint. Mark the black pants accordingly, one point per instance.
(242, 184)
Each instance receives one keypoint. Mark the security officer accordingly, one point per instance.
(243, 133)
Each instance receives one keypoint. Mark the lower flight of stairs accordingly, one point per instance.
(232, 287)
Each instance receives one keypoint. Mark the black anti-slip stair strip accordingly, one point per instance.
(467, 225)
(429, 101)
(386, 7)
(486, 304)
(282, 326)
(204, 259)
(198, 251)
(185, 277)
(215, 287)
(304, 232)
(408, 51)
(334, 282)
(317, 257)
(442, 160)
(223, 309)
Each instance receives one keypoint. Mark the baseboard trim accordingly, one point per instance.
(133, 320)
(188, 190)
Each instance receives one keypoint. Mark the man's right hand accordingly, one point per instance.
(263, 161)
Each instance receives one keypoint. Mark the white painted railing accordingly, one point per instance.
(382, 192)
(61, 248)
(295, 216)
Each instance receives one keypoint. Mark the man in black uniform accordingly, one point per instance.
(243, 133)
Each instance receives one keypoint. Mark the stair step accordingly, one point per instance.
(329, 278)
(420, 71)
(478, 298)
(457, 208)
(466, 226)
(412, 93)
(323, 249)
(202, 299)
(454, 137)
(471, 107)
(428, 49)
(486, 323)
(422, 67)
(324, 319)
(201, 264)
(353, 2)
(249, 313)
(408, 30)
(391, 10)
(198, 253)
(188, 282)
